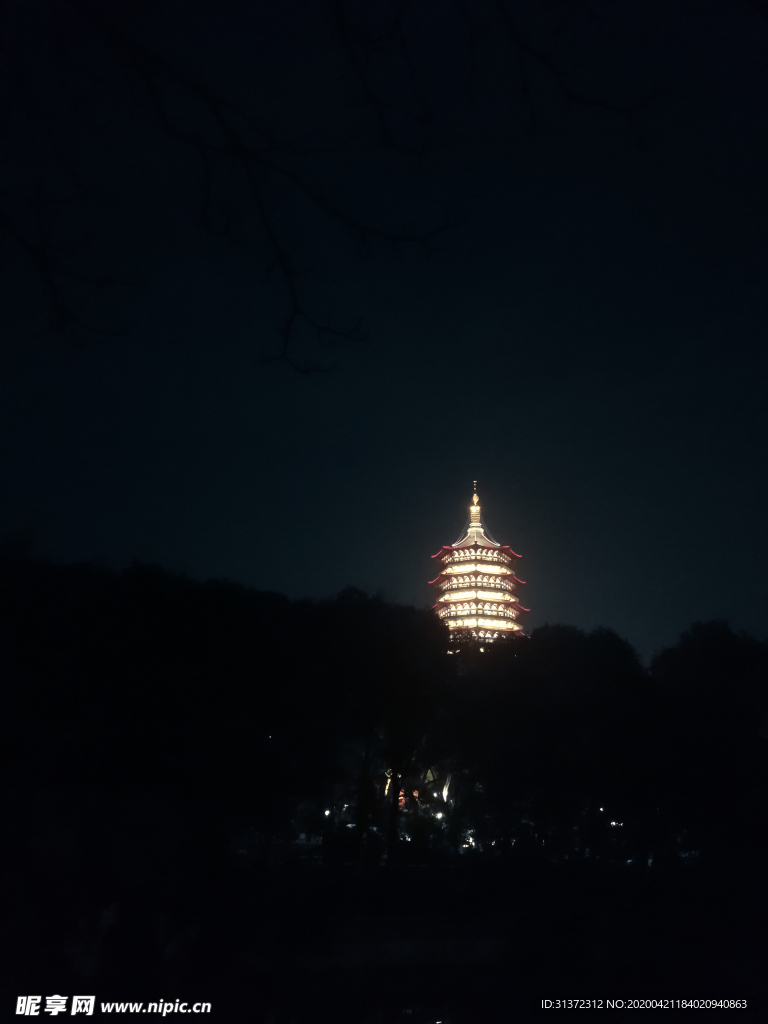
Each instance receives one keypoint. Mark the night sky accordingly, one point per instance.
(584, 334)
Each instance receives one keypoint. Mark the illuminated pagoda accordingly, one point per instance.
(477, 587)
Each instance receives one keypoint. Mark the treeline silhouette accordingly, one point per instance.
(203, 782)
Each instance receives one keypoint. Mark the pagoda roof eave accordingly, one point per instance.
(450, 548)
(454, 578)
(513, 598)
(444, 601)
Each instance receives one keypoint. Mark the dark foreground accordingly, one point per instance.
(453, 944)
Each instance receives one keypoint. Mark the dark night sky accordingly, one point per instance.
(588, 340)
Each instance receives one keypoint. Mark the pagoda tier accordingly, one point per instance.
(478, 591)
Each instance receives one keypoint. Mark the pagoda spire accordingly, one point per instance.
(476, 532)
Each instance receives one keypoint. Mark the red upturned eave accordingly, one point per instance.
(442, 549)
(508, 549)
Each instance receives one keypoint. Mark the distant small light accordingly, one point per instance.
(327, 813)
(601, 808)
(439, 814)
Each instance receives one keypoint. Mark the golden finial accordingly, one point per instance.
(474, 508)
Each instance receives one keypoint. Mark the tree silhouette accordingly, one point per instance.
(714, 689)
